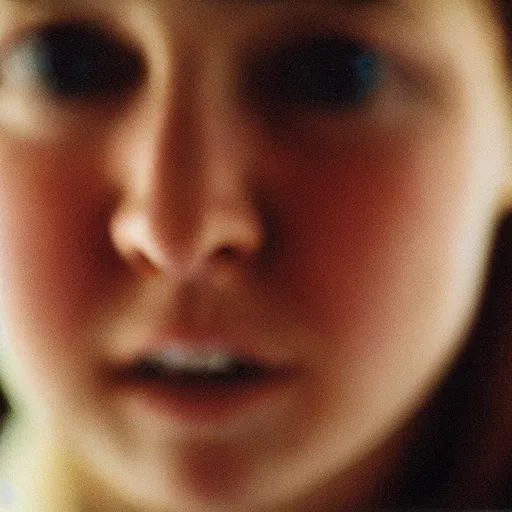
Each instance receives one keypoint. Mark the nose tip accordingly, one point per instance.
(222, 239)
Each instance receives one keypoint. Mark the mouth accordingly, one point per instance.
(203, 386)
(178, 368)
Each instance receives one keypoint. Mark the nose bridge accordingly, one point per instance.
(175, 190)
(167, 143)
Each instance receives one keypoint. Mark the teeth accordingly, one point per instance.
(184, 360)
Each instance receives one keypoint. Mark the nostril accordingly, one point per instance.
(228, 253)
(142, 264)
(233, 257)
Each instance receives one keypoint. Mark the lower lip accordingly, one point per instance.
(209, 405)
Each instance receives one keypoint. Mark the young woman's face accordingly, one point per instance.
(310, 186)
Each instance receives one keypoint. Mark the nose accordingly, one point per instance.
(157, 239)
(187, 206)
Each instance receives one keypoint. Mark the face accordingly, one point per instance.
(312, 189)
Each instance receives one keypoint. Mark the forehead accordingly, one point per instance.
(170, 2)
(382, 16)
(397, 5)
(406, 11)
(412, 10)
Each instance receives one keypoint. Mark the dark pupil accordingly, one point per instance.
(326, 72)
(79, 60)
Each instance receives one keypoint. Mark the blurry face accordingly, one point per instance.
(280, 211)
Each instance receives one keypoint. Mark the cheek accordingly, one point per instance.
(377, 237)
(50, 232)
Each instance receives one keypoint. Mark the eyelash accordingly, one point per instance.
(81, 62)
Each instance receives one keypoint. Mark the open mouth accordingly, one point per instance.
(175, 369)
(203, 386)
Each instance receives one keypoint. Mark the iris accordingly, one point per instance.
(81, 61)
(327, 72)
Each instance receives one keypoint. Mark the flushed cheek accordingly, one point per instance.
(375, 258)
(50, 279)
(372, 238)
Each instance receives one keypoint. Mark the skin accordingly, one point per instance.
(349, 245)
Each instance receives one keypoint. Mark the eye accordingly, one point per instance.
(316, 73)
(80, 61)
